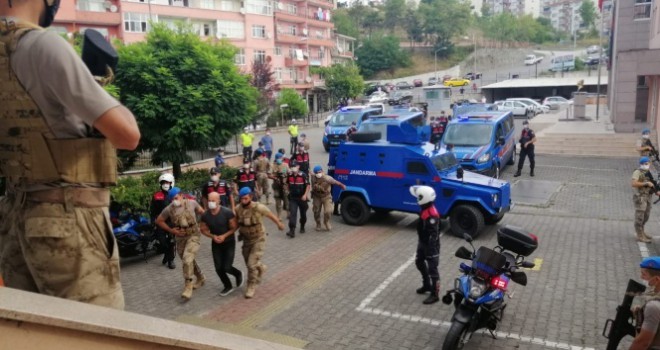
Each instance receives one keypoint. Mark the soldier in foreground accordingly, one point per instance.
(322, 197)
(644, 188)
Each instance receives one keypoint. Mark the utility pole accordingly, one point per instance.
(600, 64)
(474, 40)
(573, 27)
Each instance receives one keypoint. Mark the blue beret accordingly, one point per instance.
(646, 131)
(644, 159)
(318, 168)
(652, 262)
(244, 191)
(172, 193)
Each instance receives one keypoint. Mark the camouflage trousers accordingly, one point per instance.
(262, 181)
(69, 254)
(643, 206)
(187, 248)
(253, 250)
(281, 204)
(322, 205)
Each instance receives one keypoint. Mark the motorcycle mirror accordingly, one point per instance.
(527, 264)
(463, 253)
(519, 277)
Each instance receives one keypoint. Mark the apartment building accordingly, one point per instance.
(564, 15)
(514, 7)
(294, 35)
(634, 77)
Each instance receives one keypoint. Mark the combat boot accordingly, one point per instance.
(531, 173)
(302, 229)
(433, 297)
(646, 236)
(518, 173)
(328, 227)
(423, 289)
(318, 226)
(642, 238)
(187, 290)
(201, 279)
(249, 291)
(292, 232)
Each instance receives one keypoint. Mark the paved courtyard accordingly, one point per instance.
(354, 288)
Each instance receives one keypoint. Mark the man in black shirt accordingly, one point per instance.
(527, 139)
(219, 224)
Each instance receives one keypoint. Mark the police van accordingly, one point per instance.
(335, 130)
(379, 172)
(377, 125)
(483, 142)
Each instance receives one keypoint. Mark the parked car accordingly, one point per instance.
(518, 108)
(400, 97)
(531, 102)
(418, 83)
(389, 87)
(532, 60)
(593, 49)
(378, 97)
(446, 77)
(432, 81)
(373, 87)
(403, 85)
(557, 102)
(456, 82)
(472, 76)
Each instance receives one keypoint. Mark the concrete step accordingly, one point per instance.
(600, 145)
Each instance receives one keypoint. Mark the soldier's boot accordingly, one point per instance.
(642, 238)
(328, 227)
(433, 297)
(423, 289)
(335, 211)
(201, 279)
(292, 232)
(261, 270)
(318, 226)
(249, 291)
(187, 290)
(518, 173)
(531, 172)
(302, 228)
(646, 236)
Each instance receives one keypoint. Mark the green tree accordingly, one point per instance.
(381, 53)
(262, 79)
(394, 11)
(296, 106)
(187, 94)
(343, 80)
(588, 13)
(344, 24)
(412, 23)
(443, 20)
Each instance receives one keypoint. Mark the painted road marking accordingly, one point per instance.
(364, 307)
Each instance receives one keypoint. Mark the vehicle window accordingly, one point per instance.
(500, 131)
(432, 94)
(344, 118)
(468, 134)
(509, 124)
(444, 161)
(417, 121)
(446, 93)
(418, 168)
(375, 127)
(519, 105)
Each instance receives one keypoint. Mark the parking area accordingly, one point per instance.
(354, 288)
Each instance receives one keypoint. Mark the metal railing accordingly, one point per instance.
(642, 10)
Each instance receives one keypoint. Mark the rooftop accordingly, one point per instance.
(546, 82)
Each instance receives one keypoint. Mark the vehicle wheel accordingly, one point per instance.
(494, 219)
(354, 210)
(466, 219)
(512, 160)
(366, 136)
(455, 336)
(494, 171)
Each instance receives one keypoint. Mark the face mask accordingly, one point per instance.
(268, 133)
(215, 178)
(51, 11)
(646, 136)
(165, 187)
(278, 161)
(246, 166)
(176, 203)
(645, 167)
(213, 205)
(319, 175)
(526, 127)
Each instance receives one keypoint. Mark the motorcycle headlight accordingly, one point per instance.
(476, 289)
(484, 158)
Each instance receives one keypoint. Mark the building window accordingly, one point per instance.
(136, 22)
(292, 9)
(642, 9)
(258, 31)
(91, 5)
(278, 74)
(231, 6)
(293, 30)
(239, 59)
(259, 56)
(204, 29)
(321, 53)
(180, 3)
(641, 81)
(207, 4)
(231, 29)
(278, 51)
(259, 7)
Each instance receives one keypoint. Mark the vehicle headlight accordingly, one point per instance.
(484, 158)
(476, 289)
(495, 198)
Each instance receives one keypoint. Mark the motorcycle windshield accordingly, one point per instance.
(488, 262)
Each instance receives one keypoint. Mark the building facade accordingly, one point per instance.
(293, 35)
(564, 15)
(634, 83)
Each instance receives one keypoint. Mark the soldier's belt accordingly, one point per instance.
(79, 197)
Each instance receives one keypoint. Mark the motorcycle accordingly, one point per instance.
(134, 233)
(478, 294)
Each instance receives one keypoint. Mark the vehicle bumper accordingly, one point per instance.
(508, 208)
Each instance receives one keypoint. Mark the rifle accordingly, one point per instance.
(622, 326)
(656, 187)
(653, 152)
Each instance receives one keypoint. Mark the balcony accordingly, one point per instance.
(289, 17)
(314, 20)
(290, 39)
(293, 62)
(343, 53)
(322, 3)
(320, 41)
(299, 84)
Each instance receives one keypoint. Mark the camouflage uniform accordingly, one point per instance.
(280, 189)
(640, 143)
(262, 167)
(55, 235)
(642, 199)
(322, 200)
(252, 232)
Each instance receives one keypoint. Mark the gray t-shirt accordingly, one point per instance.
(60, 84)
(652, 321)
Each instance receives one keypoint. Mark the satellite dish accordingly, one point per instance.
(308, 79)
(113, 8)
(280, 6)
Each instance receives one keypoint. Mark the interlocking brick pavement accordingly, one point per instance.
(316, 282)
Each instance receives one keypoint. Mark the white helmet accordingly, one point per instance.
(167, 177)
(294, 122)
(424, 194)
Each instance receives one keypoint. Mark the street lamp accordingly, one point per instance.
(435, 61)
(282, 106)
